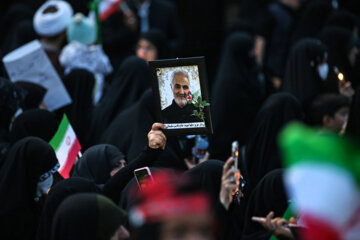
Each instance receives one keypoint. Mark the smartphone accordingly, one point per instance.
(143, 177)
(235, 153)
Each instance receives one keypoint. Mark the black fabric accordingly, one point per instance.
(236, 95)
(34, 94)
(87, 216)
(97, 163)
(133, 126)
(128, 85)
(35, 122)
(80, 84)
(158, 38)
(175, 114)
(278, 32)
(344, 19)
(56, 196)
(301, 76)
(262, 153)
(339, 41)
(353, 127)
(26, 161)
(113, 188)
(208, 174)
(312, 19)
(11, 98)
(269, 195)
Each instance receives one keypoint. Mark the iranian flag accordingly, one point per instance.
(66, 146)
(322, 178)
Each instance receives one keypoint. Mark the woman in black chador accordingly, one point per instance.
(236, 95)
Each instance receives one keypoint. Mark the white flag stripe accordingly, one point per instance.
(65, 146)
(321, 190)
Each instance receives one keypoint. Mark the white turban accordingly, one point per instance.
(52, 23)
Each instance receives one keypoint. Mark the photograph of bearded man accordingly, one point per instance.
(180, 111)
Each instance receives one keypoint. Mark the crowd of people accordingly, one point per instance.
(283, 83)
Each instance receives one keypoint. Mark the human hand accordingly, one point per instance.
(190, 164)
(230, 181)
(276, 226)
(121, 234)
(346, 89)
(156, 137)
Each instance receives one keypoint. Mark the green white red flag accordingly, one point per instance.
(322, 178)
(66, 146)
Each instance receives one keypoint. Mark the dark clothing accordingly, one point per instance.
(127, 87)
(79, 84)
(353, 127)
(97, 163)
(269, 195)
(87, 216)
(134, 124)
(26, 161)
(56, 196)
(262, 153)
(34, 94)
(35, 122)
(176, 114)
(236, 96)
(301, 76)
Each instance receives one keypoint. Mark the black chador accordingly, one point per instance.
(176, 114)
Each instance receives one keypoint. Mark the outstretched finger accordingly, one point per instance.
(227, 165)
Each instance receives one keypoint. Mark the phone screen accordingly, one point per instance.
(143, 178)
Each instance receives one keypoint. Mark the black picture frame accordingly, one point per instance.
(156, 67)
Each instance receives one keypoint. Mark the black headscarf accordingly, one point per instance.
(11, 98)
(353, 125)
(312, 19)
(27, 161)
(87, 216)
(208, 174)
(236, 95)
(262, 154)
(339, 41)
(80, 85)
(342, 19)
(301, 76)
(35, 122)
(133, 126)
(269, 195)
(56, 196)
(158, 39)
(97, 163)
(128, 85)
(34, 94)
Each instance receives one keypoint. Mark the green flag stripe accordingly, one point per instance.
(60, 133)
(300, 144)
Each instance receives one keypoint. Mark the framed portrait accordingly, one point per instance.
(180, 90)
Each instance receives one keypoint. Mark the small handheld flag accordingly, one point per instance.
(66, 147)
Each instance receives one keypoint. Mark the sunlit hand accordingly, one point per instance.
(156, 137)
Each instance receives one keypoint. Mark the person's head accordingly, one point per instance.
(11, 98)
(152, 45)
(34, 95)
(51, 20)
(99, 163)
(180, 85)
(293, 4)
(172, 208)
(329, 111)
(82, 30)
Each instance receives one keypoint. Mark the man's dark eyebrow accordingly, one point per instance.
(177, 85)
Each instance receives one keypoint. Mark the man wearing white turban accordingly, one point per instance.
(50, 23)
